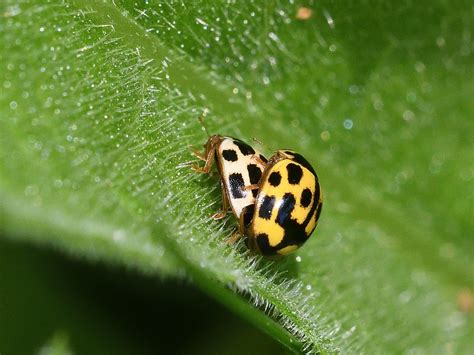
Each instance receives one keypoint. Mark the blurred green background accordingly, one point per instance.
(98, 309)
(106, 245)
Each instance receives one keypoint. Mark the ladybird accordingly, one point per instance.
(287, 206)
(240, 168)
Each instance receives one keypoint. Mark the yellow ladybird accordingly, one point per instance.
(287, 206)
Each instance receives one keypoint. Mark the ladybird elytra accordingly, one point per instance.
(287, 206)
(240, 168)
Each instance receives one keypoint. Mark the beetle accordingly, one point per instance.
(287, 207)
(240, 168)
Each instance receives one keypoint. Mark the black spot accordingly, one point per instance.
(316, 214)
(274, 178)
(294, 173)
(244, 148)
(294, 232)
(266, 208)
(247, 212)
(229, 155)
(315, 205)
(254, 192)
(236, 183)
(262, 158)
(264, 246)
(286, 207)
(317, 192)
(299, 159)
(254, 173)
(306, 197)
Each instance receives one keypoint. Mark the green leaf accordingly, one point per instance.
(99, 108)
(58, 345)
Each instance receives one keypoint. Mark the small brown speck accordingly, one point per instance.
(466, 301)
(304, 13)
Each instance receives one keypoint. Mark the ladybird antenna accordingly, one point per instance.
(201, 120)
(258, 141)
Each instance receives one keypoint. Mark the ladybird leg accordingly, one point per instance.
(234, 238)
(259, 160)
(208, 156)
(241, 229)
(251, 187)
(225, 205)
(199, 155)
(219, 215)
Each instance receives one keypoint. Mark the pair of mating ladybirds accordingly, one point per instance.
(277, 202)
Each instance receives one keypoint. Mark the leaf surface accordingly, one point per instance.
(99, 109)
